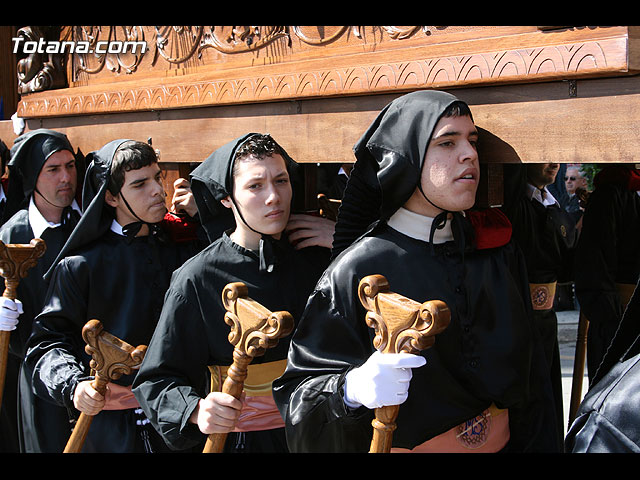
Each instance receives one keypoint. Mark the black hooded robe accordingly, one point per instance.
(489, 354)
(547, 236)
(607, 420)
(191, 333)
(607, 259)
(21, 410)
(120, 281)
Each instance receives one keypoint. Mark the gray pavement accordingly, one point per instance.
(567, 335)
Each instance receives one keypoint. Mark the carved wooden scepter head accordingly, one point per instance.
(15, 262)
(254, 329)
(110, 359)
(401, 325)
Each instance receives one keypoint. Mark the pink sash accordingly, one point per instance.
(259, 411)
(119, 398)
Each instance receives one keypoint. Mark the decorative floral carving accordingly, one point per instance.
(368, 73)
(40, 71)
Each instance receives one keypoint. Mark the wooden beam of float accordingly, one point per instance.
(537, 124)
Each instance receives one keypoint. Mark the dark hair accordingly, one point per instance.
(259, 146)
(458, 109)
(130, 155)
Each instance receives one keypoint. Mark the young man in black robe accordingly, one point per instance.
(247, 187)
(547, 236)
(482, 388)
(41, 203)
(607, 258)
(116, 268)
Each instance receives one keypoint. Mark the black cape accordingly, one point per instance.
(547, 236)
(31, 292)
(607, 255)
(118, 280)
(607, 420)
(192, 334)
(486, 290)
(119, 283)
(27, 157)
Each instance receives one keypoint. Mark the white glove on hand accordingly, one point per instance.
(382, 380)
(10, 310)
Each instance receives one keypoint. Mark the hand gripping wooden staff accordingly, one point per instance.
(254, 329)
(401, 325)
(15, 261)
(110, 359)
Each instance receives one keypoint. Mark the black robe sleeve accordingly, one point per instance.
(606, 252)
(57, 351)
(463, 375)
(173, 376)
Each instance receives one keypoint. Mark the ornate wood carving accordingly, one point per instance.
(15, 262)
(110, 359)
(254, 329)
(401, 325)
(39, 71)
(197, 66)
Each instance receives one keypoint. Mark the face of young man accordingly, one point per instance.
(143, 191)
(542, 174)
(56, 182)
(262, 193)
(450, 172)
(58, 179)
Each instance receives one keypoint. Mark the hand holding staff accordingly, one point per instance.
(254, 329)
(401, 325)
(110, 359)
(15, 262)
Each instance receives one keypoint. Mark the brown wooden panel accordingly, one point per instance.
(359, 61)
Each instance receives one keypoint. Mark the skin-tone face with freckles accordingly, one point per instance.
(262, 191)
(450, 173)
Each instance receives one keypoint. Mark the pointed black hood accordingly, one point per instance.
(389, 158)
(29, 153)
(212, 181)
(95, 220)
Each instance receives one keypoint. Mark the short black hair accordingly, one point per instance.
(131, 155)
(259, 145)
(458, 109)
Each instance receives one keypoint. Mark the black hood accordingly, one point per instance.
(95, 220)
(389, 158)
(29, 153)
(212, 181)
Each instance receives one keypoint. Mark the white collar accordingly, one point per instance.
(535, 194)
(418, 226)
(3, 197)
(116, 228)
(38, 223)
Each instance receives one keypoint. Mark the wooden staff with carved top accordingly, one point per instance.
(254, 329)
(401, 325)
(15, 262)
(110, 359)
